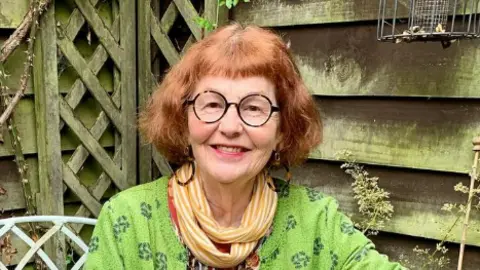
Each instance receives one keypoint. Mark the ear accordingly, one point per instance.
(279, 142)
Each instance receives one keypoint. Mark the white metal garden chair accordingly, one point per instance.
(59, 222)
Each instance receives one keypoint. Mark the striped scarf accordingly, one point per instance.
(199, 229)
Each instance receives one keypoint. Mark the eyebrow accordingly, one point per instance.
(253, 92)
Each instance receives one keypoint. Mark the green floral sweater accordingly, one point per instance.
(134, 231)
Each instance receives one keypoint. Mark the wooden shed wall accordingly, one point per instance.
(87, 114)
(408, 111)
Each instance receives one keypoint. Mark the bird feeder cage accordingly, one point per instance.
(428, 20)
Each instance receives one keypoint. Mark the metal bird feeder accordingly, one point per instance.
(428, 20)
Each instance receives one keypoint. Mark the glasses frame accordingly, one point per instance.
(228, 104)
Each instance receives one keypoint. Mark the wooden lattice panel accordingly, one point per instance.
(117, 108)
(155, 32)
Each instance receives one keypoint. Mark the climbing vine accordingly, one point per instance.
(8, 102)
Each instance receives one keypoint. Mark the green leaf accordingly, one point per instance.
(235, 2)
(204, 23)
(246, 1)
(229, 4)
(221, 3)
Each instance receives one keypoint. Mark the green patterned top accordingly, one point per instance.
(134, 231)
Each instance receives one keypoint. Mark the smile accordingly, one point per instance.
(229, 151)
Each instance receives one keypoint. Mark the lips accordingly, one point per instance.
(230, 148)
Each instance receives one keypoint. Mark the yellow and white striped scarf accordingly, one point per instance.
(199, 228)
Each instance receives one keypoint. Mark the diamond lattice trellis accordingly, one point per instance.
(156, 31)
(113, 113)
(112, 25)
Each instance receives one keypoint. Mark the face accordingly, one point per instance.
(230, 151)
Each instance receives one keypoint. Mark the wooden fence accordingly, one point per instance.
(409, 111)
(77, 121)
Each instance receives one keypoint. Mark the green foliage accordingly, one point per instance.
(373, 203)
(230, 3)
(205, 24)
(208, 25)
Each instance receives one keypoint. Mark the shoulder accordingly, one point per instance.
(303, 198)
(144, 194)
(315, 213)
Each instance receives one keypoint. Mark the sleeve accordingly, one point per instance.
(103, 251)
(355, 250)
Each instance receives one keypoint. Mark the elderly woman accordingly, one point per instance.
(231, 109)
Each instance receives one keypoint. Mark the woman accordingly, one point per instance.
(231, 109)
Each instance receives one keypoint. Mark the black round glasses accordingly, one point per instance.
(254, 110)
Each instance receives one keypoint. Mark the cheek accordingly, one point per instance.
(198, 131)
(265, 139)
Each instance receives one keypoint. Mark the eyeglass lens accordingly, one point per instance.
(254, 110)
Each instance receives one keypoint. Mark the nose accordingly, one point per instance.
(231, 124)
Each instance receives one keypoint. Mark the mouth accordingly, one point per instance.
(230, 148)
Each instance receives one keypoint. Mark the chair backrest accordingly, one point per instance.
(59, 223)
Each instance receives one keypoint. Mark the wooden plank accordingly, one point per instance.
(73, 182)
(76, 21)
(98, 191)
(10, 181)
(188, 44)
(78, 89)
(347, 60)
(89, 174)
(416, 133)
(92, 145)
(144, 80)
(168, 18)
(14, 67)
(210, 12)
(308, 12)
(128, 131)
(12, 12)
(48, 136)
(102, 32)
(91, 81)
(96, 62)
(25, 121)
(189, 15)
(417, 196)
(162, 163)
(81, 153)
(163, 41)
(396, 246)
(304, 12)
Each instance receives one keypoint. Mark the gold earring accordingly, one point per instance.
(191, 161)
(276, 159)
(288, 174)
(277, 163)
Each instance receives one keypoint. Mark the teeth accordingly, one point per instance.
(229, 149)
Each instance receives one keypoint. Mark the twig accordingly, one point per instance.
(432, 256)
(37, 9)
(22, 168)
(16, 38)
(371, 222)
(473, 176)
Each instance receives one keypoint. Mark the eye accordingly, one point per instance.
(252, 108)
(213, 105)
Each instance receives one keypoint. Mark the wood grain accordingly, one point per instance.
(434, 134)
(347, 60)
(417, 197)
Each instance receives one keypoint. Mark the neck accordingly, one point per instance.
(228, 202)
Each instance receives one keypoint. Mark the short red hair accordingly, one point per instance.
(233, 51)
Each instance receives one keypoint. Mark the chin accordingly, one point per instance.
(227, 174)
(226, 177)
